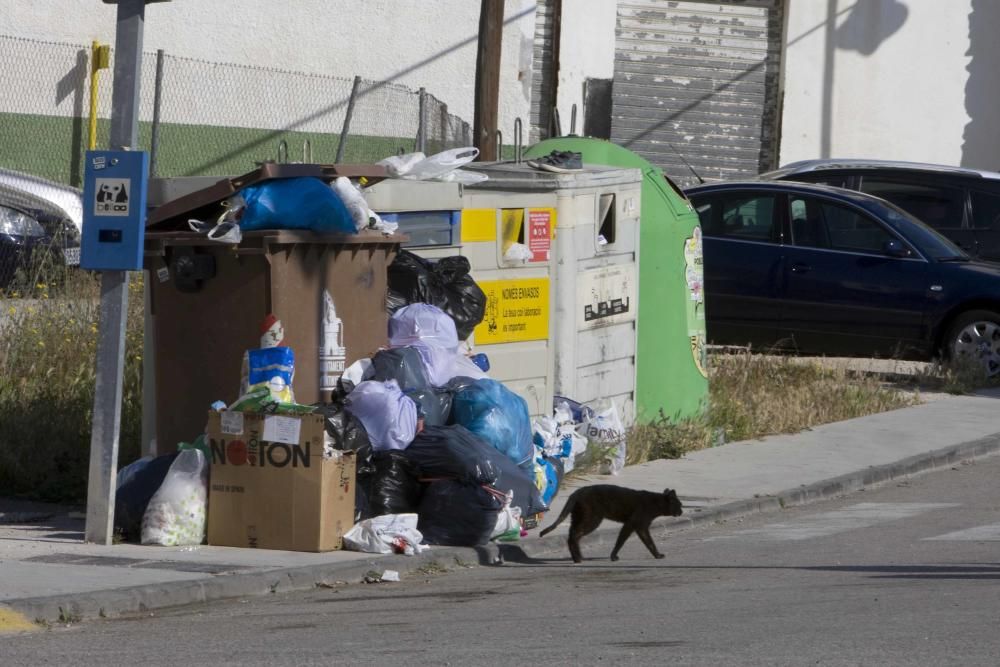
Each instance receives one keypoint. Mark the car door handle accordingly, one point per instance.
(801, 268)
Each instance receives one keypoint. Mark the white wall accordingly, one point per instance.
(893, 73)
(418, 43)
(586, 51)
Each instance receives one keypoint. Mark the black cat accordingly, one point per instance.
(591, 505)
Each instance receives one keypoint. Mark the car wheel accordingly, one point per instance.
(975, 335)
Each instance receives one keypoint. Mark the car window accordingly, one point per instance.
(817, 223)
(749, 217)
(927, 239)
(941, 207)
(836, 180)
(985, 211)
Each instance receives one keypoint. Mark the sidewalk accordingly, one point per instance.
(48, 574)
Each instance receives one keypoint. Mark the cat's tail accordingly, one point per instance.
(562, 515)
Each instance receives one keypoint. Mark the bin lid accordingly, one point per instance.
(396, 195)
(600, 151)
(259, 241)
(193, 198)
(519, 176)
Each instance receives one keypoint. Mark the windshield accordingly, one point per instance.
(927, 240)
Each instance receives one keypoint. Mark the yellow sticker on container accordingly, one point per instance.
(516, 310)
(479, 224)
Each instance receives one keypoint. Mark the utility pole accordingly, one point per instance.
(484, 124)
(106, 428)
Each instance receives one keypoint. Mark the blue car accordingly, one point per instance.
(828, 271)
(39, 219)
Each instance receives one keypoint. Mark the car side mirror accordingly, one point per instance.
(895, 248)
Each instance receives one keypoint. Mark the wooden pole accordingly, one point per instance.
(484, 125)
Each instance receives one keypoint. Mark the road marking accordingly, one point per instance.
(12, 621)
(862, 515)
(990, 533)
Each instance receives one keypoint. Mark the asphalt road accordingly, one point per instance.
(905, 575)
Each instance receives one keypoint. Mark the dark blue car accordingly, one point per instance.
(823, 270)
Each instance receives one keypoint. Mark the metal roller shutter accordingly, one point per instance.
(542, 71)
(702, 77)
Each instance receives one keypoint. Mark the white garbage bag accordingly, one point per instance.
(177, 513)
(606, 431)
(386, 534)
(388, 415)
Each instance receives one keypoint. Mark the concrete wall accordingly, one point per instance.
(418, 43)
(891, 79)
(586, 50)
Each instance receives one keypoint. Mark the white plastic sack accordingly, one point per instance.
(464, 176)
(388, 415)
(432, 331)
(439, 164)
(518, 252)
(358, 372)
(386, 534)
(398, 165)
(176, 513)
(605, 430)
(355, 203)
(508, 528)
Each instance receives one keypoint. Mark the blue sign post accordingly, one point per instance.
(114, 210)
(114, 220)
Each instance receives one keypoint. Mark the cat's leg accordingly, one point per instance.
(626, 531)
(583, 524)
(647, 539)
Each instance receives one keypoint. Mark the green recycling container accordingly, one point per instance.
(671, 376)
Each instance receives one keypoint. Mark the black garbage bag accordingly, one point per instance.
(391, 484)
(434, 403)
(460, 382)
(454, 452)
(444, 283)
(402, 364)
(455, 514)
(514, 479)
(347, 432)
(134, 495)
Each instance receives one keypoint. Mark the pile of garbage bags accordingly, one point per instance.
(445, 454)
(445, 442)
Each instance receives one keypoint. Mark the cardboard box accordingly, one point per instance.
(271, 488)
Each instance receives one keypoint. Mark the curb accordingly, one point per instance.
(71, 608)
(835, 487)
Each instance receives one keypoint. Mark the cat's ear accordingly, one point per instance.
(670, 493)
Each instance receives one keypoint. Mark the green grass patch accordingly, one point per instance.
(752, 396)
(48, 345)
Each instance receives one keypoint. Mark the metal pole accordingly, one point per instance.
(106, 428)
(94, 74)
(347, 120)
(154, 140)
(148, 443)
(421, 121)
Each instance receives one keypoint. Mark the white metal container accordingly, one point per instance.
(445, 219)
(593, 272)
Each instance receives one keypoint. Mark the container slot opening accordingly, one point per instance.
(606, 214)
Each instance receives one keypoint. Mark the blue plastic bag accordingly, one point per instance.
(498, 416)
(271, 367)
(552, 479)
(295, 203)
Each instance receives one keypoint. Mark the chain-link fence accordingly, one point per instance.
(195, 118)
(205, 118)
